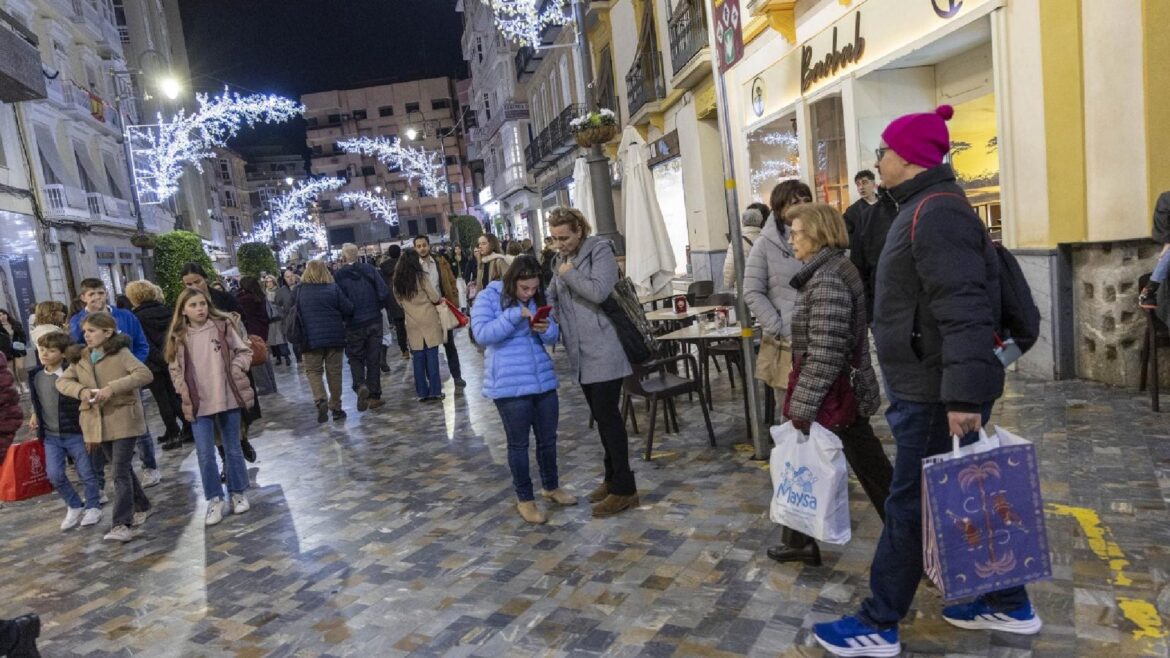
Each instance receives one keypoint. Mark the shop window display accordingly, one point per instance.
(774, 155)
(975, 157)
(831, 171)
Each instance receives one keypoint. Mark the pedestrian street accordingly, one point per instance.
(394, 533)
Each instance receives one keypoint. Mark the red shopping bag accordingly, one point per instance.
(23, 474)
(459, 316)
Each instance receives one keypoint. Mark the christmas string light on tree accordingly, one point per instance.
(189, 138)
(375, 204)
(428, 167)
(523, 21)
(290, 211)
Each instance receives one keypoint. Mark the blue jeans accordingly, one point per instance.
(57, 447)
(539, 413)
(426, 372)
(920, 430)
(203, 428)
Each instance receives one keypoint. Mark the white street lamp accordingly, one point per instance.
(411, 133)
(170, 87)
(288, 181)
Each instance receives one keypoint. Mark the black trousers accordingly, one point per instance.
(863, 451)
(400, 334)
(452, 356)
(363, 346)
(603, 400)
(128, 494)
(162, 389)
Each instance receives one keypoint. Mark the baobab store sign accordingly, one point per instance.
(872, 31)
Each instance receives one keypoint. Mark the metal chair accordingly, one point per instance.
(654, 381)
(699, 291)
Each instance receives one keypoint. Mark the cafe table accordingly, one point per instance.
(668, 314)
(654, 298)
(703, 334)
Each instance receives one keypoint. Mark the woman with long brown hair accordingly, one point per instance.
(424, 329)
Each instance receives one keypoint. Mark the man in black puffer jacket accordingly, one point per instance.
(364, 287)
(935, 319)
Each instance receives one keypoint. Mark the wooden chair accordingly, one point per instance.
(654, 381)
(1157, 335)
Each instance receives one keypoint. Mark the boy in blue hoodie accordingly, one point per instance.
(56, 420)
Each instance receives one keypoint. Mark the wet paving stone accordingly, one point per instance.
(394, 533)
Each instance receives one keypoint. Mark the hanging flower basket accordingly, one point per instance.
(596, 135)
(143, 241)
(594, 127)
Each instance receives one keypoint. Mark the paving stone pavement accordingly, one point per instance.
(394, 534)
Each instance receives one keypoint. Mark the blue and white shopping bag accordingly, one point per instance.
(810, 483)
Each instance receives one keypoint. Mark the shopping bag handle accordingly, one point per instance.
(955, 447)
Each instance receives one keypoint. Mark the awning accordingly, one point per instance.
(51, 163)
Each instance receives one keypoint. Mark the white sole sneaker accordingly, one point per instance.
(150, 478)
(72, 518)
(92, 516)
(240, 504)
(998, 622)
(215, 510)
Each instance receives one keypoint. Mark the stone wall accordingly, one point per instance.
(1109, 326)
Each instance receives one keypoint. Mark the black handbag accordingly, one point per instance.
(629, 322)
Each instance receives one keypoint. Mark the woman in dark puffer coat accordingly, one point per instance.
(323, 309)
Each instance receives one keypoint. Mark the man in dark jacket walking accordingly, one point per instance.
(364, 287)
(935, 318)
(868, 238)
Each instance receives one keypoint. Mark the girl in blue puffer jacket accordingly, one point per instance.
(519, 377)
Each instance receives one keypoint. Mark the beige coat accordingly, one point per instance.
(423, 327)
(237, 359)
(121, 416)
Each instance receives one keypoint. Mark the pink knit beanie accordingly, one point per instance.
(921, 139)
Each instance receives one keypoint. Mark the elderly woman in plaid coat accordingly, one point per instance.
(830, 337)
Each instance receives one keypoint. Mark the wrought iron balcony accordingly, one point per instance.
(688, 34)
(644, 82)
(554, 141)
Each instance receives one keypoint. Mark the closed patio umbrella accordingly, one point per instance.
(649, 257)
(583, 189)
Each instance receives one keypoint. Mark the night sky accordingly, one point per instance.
(291, 47)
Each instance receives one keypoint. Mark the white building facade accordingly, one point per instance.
(498, 97)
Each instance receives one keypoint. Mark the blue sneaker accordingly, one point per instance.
(849, 636)
(977, 615)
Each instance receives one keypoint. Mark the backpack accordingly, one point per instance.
(293, 325)
(1019, 318)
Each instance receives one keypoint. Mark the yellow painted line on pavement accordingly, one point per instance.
(1142, 613)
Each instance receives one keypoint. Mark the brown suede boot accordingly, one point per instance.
(529, 512)
(599, 494)
(559, 496)
(613, 504)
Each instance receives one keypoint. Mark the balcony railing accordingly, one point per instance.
(644, 82)
(688, 34)
(509, 112)
(65, 202)
(96, 207)
(552, 142)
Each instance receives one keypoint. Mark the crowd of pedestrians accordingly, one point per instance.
(918, 269)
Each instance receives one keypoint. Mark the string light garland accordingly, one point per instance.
(522, 20)
(290, 211)
(427, 167)
(375, 204)
(160, 155)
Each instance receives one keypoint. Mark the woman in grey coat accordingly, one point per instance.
(586, 272)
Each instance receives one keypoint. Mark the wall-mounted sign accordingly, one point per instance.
(663, 149)
(836, 59)
(758, 96)
(946, 9)
(729, 33)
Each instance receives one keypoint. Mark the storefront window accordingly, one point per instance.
(668, 187)
(774, 156)
(831, 172)
(975, 157)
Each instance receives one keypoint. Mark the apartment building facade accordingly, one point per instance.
(422, 113)
(507, 199)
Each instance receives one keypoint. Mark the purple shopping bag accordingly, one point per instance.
(983, 518)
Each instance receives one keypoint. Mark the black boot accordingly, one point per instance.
(810, 554)
(322, 411)
(24, 644)
(170, 441)
(385, 366)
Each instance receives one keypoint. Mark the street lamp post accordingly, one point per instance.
(599, 173)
